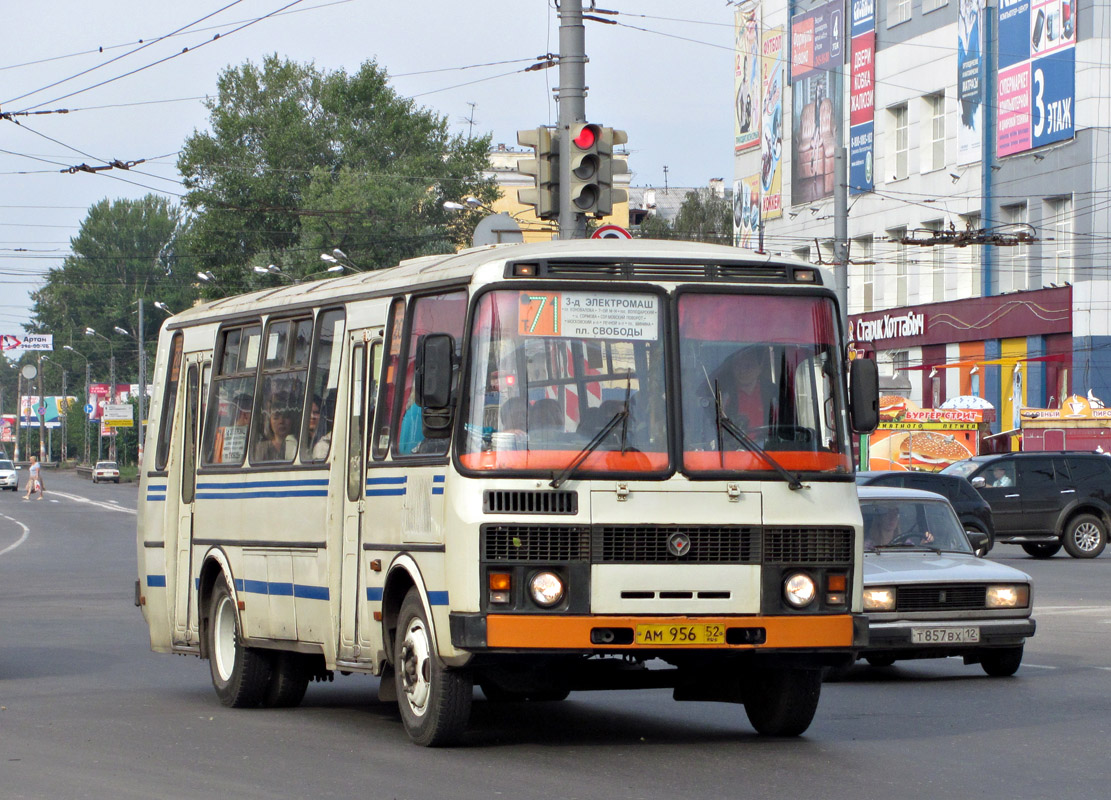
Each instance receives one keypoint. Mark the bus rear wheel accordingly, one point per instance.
(240, 675)
(434, 701)
(288, 681)
(782, 702)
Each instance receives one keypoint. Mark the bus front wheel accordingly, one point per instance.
(782, 702)
(435, 702)
(240, 675)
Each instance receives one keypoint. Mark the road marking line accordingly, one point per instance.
(1040, 611)
(98, 503)
(1038, 666)
(22, 539)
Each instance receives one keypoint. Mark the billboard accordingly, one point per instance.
(52, 407)
(98, 397)
(862, 97)
(969, 95)
(1036, 89)
(817, 54)
(772, 46)
(747, 76)
(746, 212)
(26, 341)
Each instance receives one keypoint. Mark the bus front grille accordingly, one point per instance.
(808, 545)
(536, 542)
(517, 501)
(679, 544)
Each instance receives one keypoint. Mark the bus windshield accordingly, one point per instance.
(551, 370)
(758, 376)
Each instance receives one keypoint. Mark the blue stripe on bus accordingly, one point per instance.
(437, 490)
(284, 589)
(253, 587)
(385, 492)
(310, 592)
(249, 495)
(374, 594)
(263, 484)
(437, 598)
(154, 488)
(438, 478)
(156, 498)
(156, 580)
(395, 479)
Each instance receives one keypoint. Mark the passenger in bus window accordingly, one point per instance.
(750, 397)
(280, 442)
(546, 415)
(322, 426)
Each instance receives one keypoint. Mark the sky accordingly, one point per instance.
(663, 74)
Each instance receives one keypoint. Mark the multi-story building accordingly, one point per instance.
(901, 84)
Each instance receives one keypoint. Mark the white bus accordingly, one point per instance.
(532, 468)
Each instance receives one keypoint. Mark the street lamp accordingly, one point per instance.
(111, 388)
(206, 276)
(163, 307)
(64, 417)
(337, 266)
(142, 380)
(79, 355)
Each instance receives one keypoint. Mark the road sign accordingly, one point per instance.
(611, 232)
(118, 415)
(88, 408)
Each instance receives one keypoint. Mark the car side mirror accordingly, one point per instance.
(435, 371)
(864, 395)
(978, 540)
(978, 482)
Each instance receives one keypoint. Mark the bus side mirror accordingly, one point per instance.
(434, 367)
(864, 395)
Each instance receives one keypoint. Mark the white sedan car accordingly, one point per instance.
(927, 595)
(106, 471)
(9, 478)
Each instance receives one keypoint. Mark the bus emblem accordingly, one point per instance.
(678, 544)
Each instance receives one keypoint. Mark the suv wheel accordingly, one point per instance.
(1085, 536)
(1038, 550)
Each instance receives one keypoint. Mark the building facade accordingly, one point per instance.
(955, 117)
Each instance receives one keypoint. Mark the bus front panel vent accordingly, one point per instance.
(516, 501)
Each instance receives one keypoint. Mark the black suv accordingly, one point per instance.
(1045, 500)
(972, 509)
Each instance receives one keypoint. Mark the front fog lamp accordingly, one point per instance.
(1013, 596)
(546, 589)
(882, 599)
(800, 590)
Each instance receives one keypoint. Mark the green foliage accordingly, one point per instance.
(703, 217)
(119, 255)
(300, 161)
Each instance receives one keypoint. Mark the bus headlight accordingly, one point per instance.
(1008, 596)
(546, 589)
(800, 590)
(880, 599)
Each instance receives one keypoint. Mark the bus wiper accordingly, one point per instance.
(622, 417)
(730, 427)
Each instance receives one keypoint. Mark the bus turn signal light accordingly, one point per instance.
(500, 584)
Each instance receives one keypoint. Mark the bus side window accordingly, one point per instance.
(320, 414)
(380, 438)
(277, 418)
(233, 392)
(439, 313)
(169, 404)
(374, 372)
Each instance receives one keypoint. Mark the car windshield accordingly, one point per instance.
(767, 365)
(6, 465)
(912, 524)
(964, 468)
(106, 465)
(550, 372)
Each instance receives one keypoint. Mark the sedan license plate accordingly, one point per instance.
(922, 635)
(680, 635)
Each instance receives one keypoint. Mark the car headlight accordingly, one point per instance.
(1008, 596)
(800, 590)
(546, 589)
(881, 599)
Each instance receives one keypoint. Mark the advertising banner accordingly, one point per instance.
(7, 428)
(747, 79)
(928, 439)
(26, 341)
(30, 405)
(862, 97)
(773, 47)
(817, 54)
(746, 212)
(1036, 89)
(98, 397)
(969, 95)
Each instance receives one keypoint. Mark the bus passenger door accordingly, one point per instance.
(352, 586)
(184, 612)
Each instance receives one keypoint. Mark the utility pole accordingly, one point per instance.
(18, 408)
(572, 107)
(142, 384)
(841, 229)
(42, 418)
(112, 400)
(987, 155)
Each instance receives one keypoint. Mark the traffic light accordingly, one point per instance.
(608, 168)
(586, 163)
(544, 196)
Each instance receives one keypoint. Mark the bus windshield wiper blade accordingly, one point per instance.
(730, 427)
(621, 416)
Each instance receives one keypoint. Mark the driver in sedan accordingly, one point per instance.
(884, 531)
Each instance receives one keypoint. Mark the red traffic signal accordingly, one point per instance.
(586, 138)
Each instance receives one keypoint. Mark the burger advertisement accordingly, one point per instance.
(910, 437)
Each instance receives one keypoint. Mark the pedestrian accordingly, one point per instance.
(34, 480)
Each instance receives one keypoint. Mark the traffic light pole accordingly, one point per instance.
(572, 107)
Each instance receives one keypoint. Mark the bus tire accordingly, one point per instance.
(782, 702)
(289, 680)
(240, 675)
(434, 701)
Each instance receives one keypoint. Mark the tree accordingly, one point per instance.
(299, 162)
(118, 256)
(703, 217)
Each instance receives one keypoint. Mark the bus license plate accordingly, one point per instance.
(970, 635)
(677, 635)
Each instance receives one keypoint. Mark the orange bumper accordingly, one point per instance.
(574, 633)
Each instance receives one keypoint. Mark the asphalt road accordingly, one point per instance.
(87, 711)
